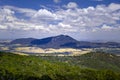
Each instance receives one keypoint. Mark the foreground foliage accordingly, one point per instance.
(16, 67)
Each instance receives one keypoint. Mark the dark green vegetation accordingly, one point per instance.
(115, 51)
(93, 60)
(92, 66)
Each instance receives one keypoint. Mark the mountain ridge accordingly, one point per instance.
(63, 41)
(22, 41)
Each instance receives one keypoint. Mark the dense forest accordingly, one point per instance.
(91, 66)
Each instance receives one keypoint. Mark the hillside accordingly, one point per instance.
(91, 60)
(16, 67)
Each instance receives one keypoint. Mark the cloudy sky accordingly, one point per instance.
(81, 19)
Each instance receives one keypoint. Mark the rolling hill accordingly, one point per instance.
(91, 66)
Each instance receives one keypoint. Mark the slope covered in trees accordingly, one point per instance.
(16, 67)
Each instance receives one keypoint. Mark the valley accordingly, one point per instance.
(61, 45)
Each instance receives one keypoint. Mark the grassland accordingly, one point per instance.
(49, 51)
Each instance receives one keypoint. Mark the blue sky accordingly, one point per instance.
(81, 19)
(35, 4)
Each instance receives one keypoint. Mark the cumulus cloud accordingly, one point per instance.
(6, 15)
(71, 5)
(44, 14)
(106, 27)
(70, 20)
(114, 6)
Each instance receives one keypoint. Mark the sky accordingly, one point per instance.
(81, 19)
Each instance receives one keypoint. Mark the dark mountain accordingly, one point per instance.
(84, 44)
(63, 41)
(53, 42)
(22, 41)
(78, 44)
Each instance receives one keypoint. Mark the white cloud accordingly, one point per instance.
(3, 27)
(114, 6)
(91, 17)
(72, 5)
(42, 13)
(106, 27)
(26, 11)
(64, 25)
(70, 20)
(6, 14)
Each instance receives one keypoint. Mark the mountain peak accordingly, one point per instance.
(61, 35)
(54, 42)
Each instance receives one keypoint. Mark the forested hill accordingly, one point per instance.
(90, 66)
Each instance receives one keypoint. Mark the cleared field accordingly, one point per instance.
(4, 48)
(30, 49)
(68, 51)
